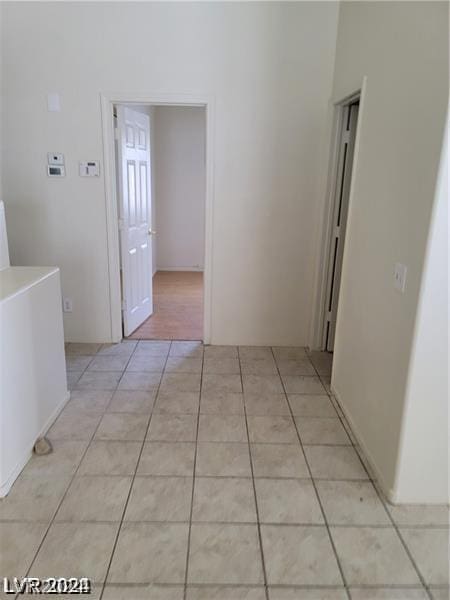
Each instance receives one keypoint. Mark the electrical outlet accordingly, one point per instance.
(400, 277)
(67, 305)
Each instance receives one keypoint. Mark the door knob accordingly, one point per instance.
(151, 232)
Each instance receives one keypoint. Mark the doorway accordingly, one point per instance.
(347, 124)
(158, 165)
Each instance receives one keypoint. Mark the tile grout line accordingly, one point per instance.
(341, 416)
(391, 519)
(135, 470)
(188, 549)
(313, 482)
(52, 521)
(258, 522)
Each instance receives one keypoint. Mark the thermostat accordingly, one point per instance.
(55, 171)
(89, 168)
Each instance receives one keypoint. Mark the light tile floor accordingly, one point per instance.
(216, 473)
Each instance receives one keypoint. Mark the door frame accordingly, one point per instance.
(107, 101)
(337, 109)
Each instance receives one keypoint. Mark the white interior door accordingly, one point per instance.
(134, 175)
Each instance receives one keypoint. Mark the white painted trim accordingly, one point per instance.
(184, 269)
(4, 489)
(107, 100)
(337, 108)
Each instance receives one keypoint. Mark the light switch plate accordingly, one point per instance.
(53, 102)
(400, 277)
(89, 168)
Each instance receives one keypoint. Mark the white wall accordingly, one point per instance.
(269, 67)
(425, 440)
(180, 186)
(402, 48)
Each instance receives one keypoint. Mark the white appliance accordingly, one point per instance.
(33, 385)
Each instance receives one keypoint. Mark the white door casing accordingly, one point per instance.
(134, 176)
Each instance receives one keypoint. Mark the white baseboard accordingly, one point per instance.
(388, 492)
(21, 463)
(193, 269)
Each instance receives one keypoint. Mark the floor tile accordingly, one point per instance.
(19, 543)
(262, 384)
(334, 462)
(322, 431)
(71, 426)
(77, 362)
(150, 553)
(265, 366)
(279, 430)
(87, 549)
(177, 403)
(152, 348)
(289, 353)
(172, 428)
(132, 401)
(93, 401)
(287, 501)
(307, 405)
(297, 384)
(188, 349)
(219, 428)
(225, 554)
(323, 361)
(183, 364)
(224, 500)
(95, 498)
(164, 458)
(351, 503)
(34, 498)
(99, 380)
(222, 403)
(146, 363)
(132, 380)
(373, 556)
(223, 459)
(442, 593)
(225, 593)
(73, 377)
(160, 499)
(143, 592)
(122, 426)
(86, 349)
(123, 348)
(430, 550)
(420, 514)
(180, 382)
(266, 404)
(110, 458)
(307, 593)
(278, 460)
(221, 352)
(389, 594)
(213, 382)
(108, 363)
(301, 367)
(298, 555)
(64, 459)
(255, 352)
(221, 366)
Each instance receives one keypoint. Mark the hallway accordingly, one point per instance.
(183, 471)
(177, 308)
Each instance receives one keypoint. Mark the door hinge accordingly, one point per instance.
(346, 136)
(328, 316)
(121, 224)
(116, 133)
(337, 231)
(124, 305)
